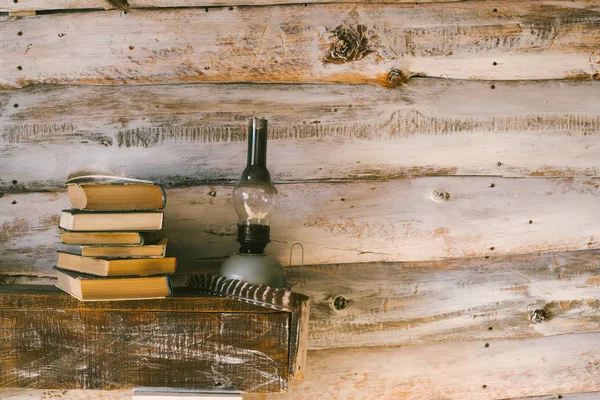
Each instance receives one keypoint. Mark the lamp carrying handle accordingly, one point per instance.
(302, 279)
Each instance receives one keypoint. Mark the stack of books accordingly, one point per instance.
(115, 247)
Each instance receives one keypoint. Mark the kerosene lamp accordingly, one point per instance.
(254, 199)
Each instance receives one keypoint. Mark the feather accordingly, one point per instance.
(263, 295)
(122, 5)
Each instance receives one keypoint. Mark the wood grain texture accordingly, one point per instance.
(507, 368)
(44, 298)
(329, 43)
(192, 134)
(135, 4)
(282, 299)
(96, 348)
(45, 394)
(393, 304)
(569, 396)
(401, 220)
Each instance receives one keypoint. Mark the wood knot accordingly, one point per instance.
(440, 195)
(539, 316)
(339, 303)
(396, 78)
(350, 44)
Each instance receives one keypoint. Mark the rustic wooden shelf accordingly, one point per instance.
(192, 341)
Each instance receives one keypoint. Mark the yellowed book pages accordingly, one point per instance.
(73, 220)
(117, 267)
(157, 250)
(90, 288)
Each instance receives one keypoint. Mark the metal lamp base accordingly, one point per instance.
(257, 269)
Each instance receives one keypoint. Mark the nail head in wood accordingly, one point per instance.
(396, 78)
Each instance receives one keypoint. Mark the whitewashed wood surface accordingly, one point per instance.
(566, 396)
(449, 371)
(11, 6)
(393, 304)
(195, 134)
(398, 220)
(325, 43)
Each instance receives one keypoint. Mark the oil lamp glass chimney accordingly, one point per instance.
(254, 199)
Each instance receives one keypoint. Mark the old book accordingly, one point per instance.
(116, 196)
(109, 238)
(73, 220)
(157, 250)
(92, 288)
(116, 267)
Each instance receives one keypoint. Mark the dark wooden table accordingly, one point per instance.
(190, 341)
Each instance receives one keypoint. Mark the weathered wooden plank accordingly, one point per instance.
(400, 220)
(45, 394)
(96, 348)
(391, 304)
(325, 43)
(565, 365)
(44, 298)
(190, 134)
(12, 6)
(469, 370)
(570, 396)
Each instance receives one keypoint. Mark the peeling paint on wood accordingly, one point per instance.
(290, 44)
(190, 134)
(352, 222)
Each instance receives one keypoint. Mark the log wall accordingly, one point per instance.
(439, 162)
